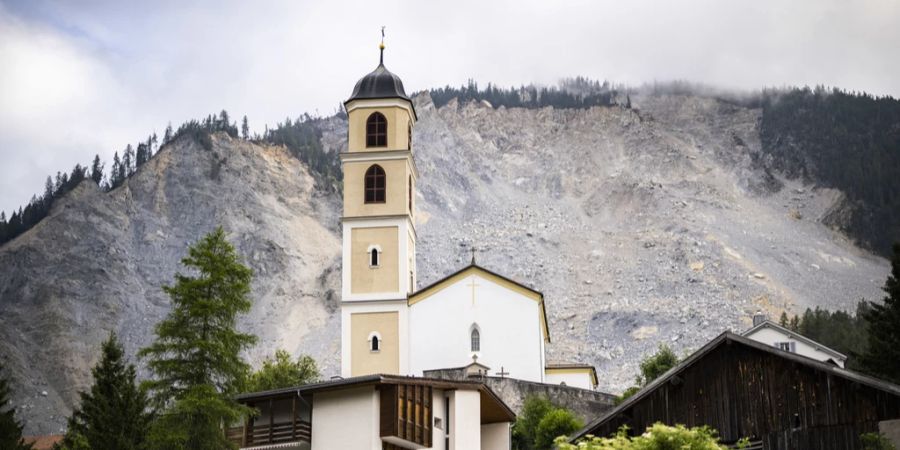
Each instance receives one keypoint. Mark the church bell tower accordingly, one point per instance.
(379, 236)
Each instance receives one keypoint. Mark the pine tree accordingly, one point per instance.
(113, 414)
(783, 321)
(882, 357)
(116, 173)
(128, 161)
(245, 129)
(97, 170)
(141, 156)
(196, 355)
(167, 136)
(10, 428)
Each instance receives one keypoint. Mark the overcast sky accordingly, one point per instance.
(80, 78)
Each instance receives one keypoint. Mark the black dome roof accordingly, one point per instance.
(380, 83)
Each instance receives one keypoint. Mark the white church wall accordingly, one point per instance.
(356, 410)
(508, 322)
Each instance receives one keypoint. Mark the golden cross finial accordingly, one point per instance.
(381, 46)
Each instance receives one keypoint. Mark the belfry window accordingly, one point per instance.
(376, 130)
(374, 258)
(476, 340)
(374, 343)
(375, 184)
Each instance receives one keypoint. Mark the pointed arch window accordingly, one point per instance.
(476, 340)
(376, 130)
(375, 184)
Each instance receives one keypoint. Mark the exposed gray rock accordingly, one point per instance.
(639, 228)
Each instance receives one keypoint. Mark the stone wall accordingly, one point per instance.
(891, 430)
(586, 404)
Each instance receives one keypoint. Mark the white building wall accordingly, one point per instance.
(465, 420)
(579, 380)
(495, 436)
(346, 419)
(770, 336)
(439, 411)
(509, 323)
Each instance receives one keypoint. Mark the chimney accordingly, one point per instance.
(759, 318)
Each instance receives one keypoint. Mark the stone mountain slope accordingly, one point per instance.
(640, 226)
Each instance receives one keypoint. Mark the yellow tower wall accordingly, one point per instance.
(387, 359)
(398, 120)
(385, 277)
(397, 173)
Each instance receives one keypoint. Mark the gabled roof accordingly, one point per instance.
(472, 269)
(562, 367)
(795, 335)
(492, 405)
(729, 337)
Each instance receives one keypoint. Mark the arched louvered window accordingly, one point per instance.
(375, 184)
(476, 340)
(376, 130)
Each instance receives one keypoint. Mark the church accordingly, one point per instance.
(420, 367)
(472, 318)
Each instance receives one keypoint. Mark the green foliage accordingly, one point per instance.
(839, 330)
(882, 357)
(282, 372)
(196, 355)
(524, 429)
(304, 140)
(843, 140)
(875, 441)
(540, 422)
(651, 368)
(656, 437)
(572, 93)
(625, 394)
(113, 414)
(10, 428)
(557, 422)
(657, 364)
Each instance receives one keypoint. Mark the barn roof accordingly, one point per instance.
(729, 337)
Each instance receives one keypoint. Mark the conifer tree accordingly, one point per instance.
(10, 428)
(882, 357)
(167, 136)
(116, 173)
(128, 162)
(196, 358)
(97, 170)
(113, 414)
(245, 129)
(141, 156)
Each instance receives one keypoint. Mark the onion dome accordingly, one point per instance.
(380, 83)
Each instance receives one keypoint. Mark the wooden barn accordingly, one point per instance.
(777, 399)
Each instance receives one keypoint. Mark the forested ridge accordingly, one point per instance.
(829, 137)
(302, 137)
(848, 141)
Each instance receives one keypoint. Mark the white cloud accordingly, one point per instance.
(84, 78)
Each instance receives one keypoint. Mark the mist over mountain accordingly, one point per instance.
(643, 215)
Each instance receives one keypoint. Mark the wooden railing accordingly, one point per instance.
(247, 436)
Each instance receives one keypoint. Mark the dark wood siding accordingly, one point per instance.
(743, 391)
(406, 413)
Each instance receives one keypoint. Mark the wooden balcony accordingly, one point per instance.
(251, 435)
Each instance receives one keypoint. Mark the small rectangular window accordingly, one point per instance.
(786, 346)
